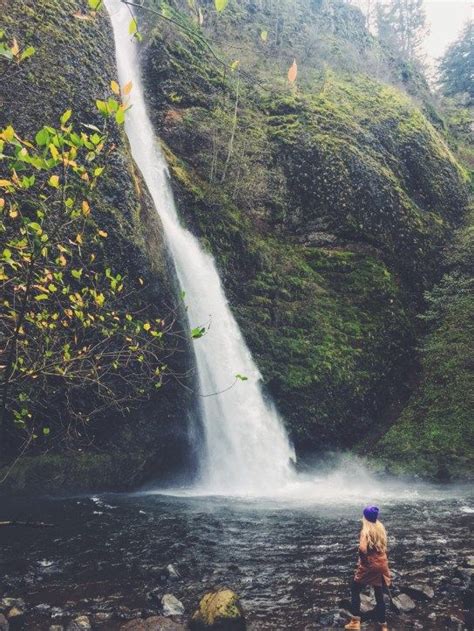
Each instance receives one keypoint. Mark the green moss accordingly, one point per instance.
(344, 160)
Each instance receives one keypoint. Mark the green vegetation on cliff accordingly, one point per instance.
(325, 204)
(72, 66)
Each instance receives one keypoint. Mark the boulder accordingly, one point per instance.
(155, 623)
(219, 609)
(172, 606)
(81, 623)
(403, 603)
(418, 591)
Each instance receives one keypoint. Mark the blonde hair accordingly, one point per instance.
(374, 534)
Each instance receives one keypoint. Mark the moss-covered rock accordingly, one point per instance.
(325, 205)
(219, 610)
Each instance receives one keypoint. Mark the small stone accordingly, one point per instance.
(219, 609)
(15, 614)
(469, 561)
(4, 626)
(8, 603)
(404, 603)
(172, 606)
(173, 572)
(81, 623)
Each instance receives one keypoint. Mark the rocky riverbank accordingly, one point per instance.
(145, 562)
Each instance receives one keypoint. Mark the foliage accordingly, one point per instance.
(401, 25)
(456, 68)
(435, 432)
(64, 322)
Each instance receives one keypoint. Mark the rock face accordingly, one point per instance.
(326, 215)
(220, 609)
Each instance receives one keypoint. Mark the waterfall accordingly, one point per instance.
(246, 449)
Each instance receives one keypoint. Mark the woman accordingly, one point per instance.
(372, 568)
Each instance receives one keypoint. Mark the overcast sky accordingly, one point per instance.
(446, 19)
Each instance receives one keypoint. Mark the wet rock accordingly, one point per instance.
(418, 591)
(173, 572)
(81, 623)
(154, 623)
(172, 606)
(403, 603)
(456, 622)
(367, 603)
(102, 616)
(8, 603)
(4, 626)
(220, 609)
(42, 608)
(337, 617)
(15, 614)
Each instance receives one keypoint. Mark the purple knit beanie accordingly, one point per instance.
(371, 513)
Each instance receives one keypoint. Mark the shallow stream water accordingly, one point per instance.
(290, 559)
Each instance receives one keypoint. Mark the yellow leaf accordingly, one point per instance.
(147, 326)
(115, 87)
(54, 181)
(2, 202)
(86, 209)
(293, 72)
(13, 213)
(5, 183)
(54, 151)
(8, 133)
(62, 260)
(15, 49)
(79, 239)
(102, 233)
(127, 88)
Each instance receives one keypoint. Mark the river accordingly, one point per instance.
(289, 559)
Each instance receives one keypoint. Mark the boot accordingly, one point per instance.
(354, 624)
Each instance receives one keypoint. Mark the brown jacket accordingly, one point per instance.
(373, 569)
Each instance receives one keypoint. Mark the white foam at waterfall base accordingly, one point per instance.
(246, 449)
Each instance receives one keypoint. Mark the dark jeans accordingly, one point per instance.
(356, 588)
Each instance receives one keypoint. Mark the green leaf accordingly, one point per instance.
(46, 431)
(65, 117)
(28, 52)
(102, 107)
(264, 36)
(198, 332)
(94, 5)
(120, 116)
(221, 5)
(41, 297)
(241, 377)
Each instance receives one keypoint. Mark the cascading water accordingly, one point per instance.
(246, 447)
